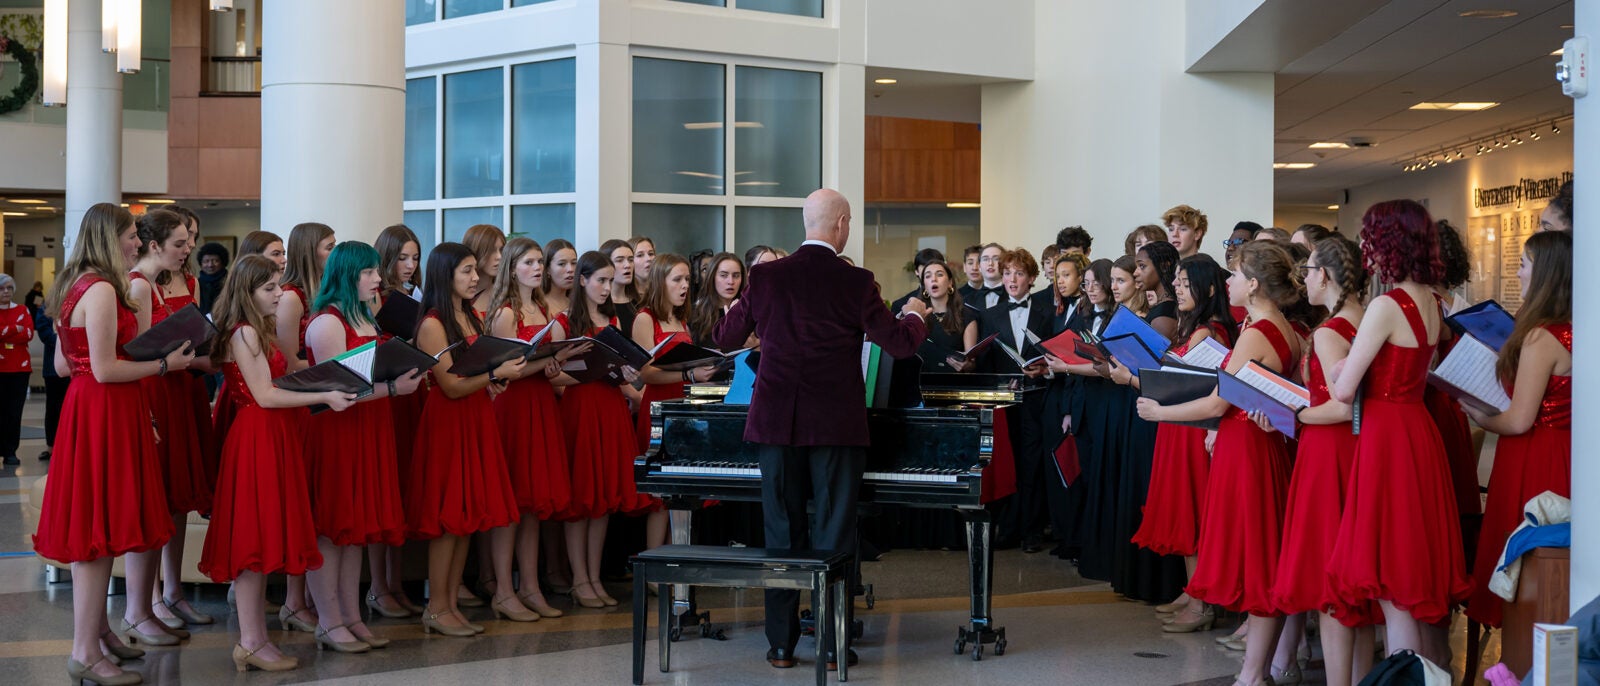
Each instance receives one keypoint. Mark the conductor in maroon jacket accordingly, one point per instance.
(808, 410)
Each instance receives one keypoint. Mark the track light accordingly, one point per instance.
(1533, 134)
(1554, 128)
(1482, 149)
(1516, 140)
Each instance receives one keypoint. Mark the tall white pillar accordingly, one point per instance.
(332, 115)
(1585, 327)
(94, 119)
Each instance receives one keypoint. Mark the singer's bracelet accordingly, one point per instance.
(390, 384)
(163, 371)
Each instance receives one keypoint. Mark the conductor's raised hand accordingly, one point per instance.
(915, 306)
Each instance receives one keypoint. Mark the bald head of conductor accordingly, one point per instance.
(827, 218)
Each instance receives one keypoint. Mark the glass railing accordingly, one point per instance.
(232, 76)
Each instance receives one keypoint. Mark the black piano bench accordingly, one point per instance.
(826, 573)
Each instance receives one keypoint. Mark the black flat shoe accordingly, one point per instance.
(781, 658)
(1032, 544)
(833, 659)
(45, 456)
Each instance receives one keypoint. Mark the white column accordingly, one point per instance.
(844, 156)
(332, 115)
(94, 119)
(604, 144)
(1586, 327)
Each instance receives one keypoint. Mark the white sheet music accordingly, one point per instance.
(1276, 387)
(360, 360)
(1470, 366)
(1208, 353)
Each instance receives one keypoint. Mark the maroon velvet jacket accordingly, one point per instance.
(810, 310)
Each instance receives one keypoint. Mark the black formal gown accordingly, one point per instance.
(1063, 503)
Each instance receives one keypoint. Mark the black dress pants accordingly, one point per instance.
(1026, 517)
(830, 476)
(13, 395)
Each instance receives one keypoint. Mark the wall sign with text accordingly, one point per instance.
(1523, 189)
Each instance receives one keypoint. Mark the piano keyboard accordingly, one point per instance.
(741, 469)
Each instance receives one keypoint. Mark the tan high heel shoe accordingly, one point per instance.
(369, 639)
(77, 673)
(1173, 607)
(116, 648)
(466, 598)
(1204, 623)
(518, 614)
(243, 660)
(476, 628)
(186, 616)
(540, 606)
(600, 591)
(130, 633)
(432, 625)
(347, 647)
(593, 601)
(290, 620)
(392, 613)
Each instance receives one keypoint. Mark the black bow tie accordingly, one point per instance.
(987, 290)
(1015, 305)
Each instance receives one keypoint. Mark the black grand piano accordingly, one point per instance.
(932, 456)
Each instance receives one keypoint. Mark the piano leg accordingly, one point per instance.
(683, 606)
(980, 560)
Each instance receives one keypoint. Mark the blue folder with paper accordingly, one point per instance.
(1124, 322)
(1131, 352)
(1486, 321)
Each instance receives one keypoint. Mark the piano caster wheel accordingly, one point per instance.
(961, 646)
(1000, 647)
(675, 634)
(977, 652)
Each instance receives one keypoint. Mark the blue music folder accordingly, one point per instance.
(1486, 321)
(743, 384)
(1124, 322)
(1131, 352)
(1250, 399)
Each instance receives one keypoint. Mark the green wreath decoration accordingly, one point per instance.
(19, 96)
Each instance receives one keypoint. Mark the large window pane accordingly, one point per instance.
(679, 229)
(778, 227)
(678, 108)
(474, 134)
(544, 127)
(421, 222)
(421, 165)
(457, 221)
(420, 11)
(803, 8)
(778, 137)
(712, 3)
(544, 222)
(520, 3)
(462, 8)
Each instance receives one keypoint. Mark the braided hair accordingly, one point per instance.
(1341, 259)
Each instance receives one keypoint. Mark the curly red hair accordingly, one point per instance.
(1400, 242)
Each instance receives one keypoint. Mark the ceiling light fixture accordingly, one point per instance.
(886, 82)
(1333, 207)
(1330, 145)
(1554, 128)
(1486, 14)
(963, 205)
(1533, 134)
(158, 201)
(27, 201)
(1293, 165)
(1559, 52)
(1455, 106)
(1515, 139)
(13, 214)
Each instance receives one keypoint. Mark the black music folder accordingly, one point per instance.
(360, 369)
(976, 351)
(187, 325)
(399, 315)
(1178, 384)
(486, 354)
(685, 356)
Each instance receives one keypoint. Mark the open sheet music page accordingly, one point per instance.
(1207, 353)
(1276, 387)
(359, 359)
(1470, 369)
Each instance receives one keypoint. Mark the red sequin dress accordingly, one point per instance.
(1525, 465)
(535, 446)
(262, 518)
(1316, 500)
(355, 489)
(1179, 474)
(188, 473)
(1241, 528)
(1399, 537)
(104, 495)
(601, 445)
(458, 483)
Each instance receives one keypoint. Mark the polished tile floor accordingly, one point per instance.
(1062, 629)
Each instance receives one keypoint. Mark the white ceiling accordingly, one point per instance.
(1363, 81)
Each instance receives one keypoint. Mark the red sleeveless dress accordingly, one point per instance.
(105, 495)
(1457, 436)
(1316, 499)
(535, 446)
(355, 490)
(653, 393)
(1525, 465)
(1241, 527)
(189, 476)
(601, 445)
(458, 483)
(1399, 537)
(1179, 474)
(406, 411)
(262, 518)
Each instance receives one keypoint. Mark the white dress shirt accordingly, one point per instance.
(1019, 322)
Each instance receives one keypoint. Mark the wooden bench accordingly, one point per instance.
(825, 573)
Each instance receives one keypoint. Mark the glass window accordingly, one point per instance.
(474, 134)
(544, 130)
(421, 222)
(545, 222)
(420, 11)
(778, 134)
(521, 3)
(712, 3)
(678, 108)
(779, 227)
(421, 163)
(679, 229)
(801, 8)
(457, 221)
(462, 8)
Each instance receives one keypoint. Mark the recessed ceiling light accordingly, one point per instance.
(28, 201)
(962, 205)
(14, 214)
(1566, 26)
(1487, 14)
(157, 201)
(1329, 145)
(1559, 52)
(1333, 207)
(886, 82)
(1455, 106)
(1293, 165)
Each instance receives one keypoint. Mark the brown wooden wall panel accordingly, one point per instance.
(183, 124)
(188, 17)
(186, 72)
(183, 166)
(921, 160)
(230, 122)
(230, 173)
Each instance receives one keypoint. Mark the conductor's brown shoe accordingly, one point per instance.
(782, 658)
